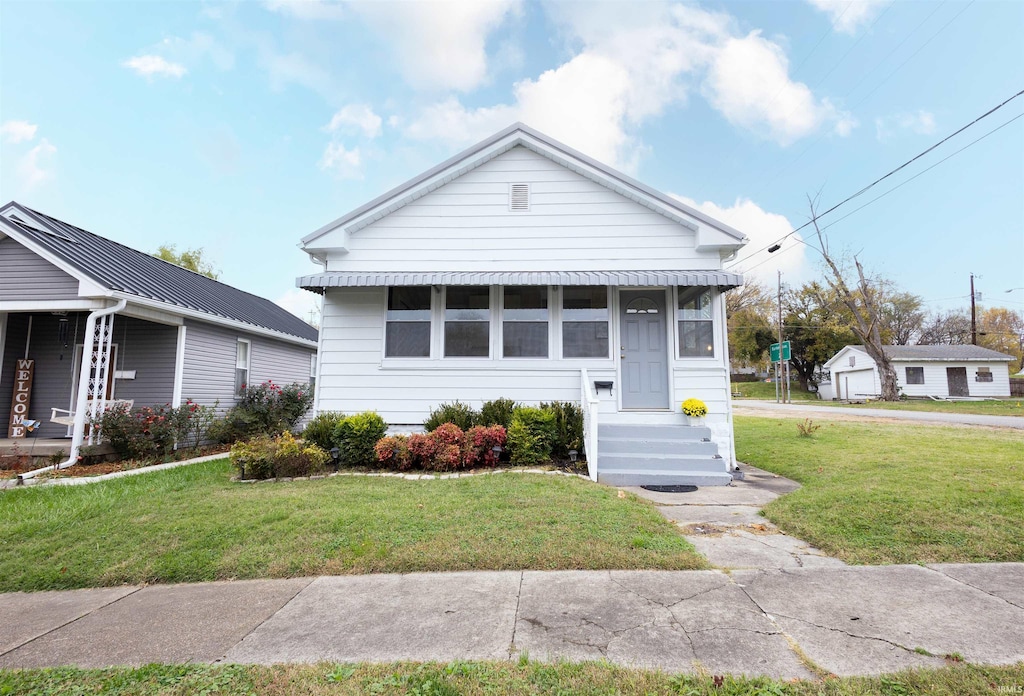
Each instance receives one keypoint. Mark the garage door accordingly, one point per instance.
(857, 384)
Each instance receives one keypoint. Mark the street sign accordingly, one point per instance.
(786, 353)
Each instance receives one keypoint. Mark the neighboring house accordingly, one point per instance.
(521, 268)
(152, 332)
(922, 371)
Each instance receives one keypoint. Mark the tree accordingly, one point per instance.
(863, 304)
(902, 316)
(952, 328)
(190, 259)
(749, 310)
(817, 326)
(1002, 329)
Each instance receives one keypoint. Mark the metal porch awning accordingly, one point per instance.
(340, 279)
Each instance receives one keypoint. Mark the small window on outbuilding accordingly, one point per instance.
(984, 375)
(242, 350)
(915, 375)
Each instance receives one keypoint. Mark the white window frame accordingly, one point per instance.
(612, 310)
(500, 343)
(248, 365)
(492, 319)
(677, 315)
(433, 325)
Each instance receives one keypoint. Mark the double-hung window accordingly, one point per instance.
(408, 323)
(585, 321)
(696, 323)
(915, 375)
(467, 321)
(242, 350)
(525, 322)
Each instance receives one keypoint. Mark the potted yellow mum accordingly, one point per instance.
(695, 410)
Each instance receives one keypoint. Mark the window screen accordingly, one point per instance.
(585, 322)
(915, 375)
(696, 323)
(467, 322)
(525, 322)
(408, 323)
(984, 375)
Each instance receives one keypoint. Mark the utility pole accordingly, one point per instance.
(974, 316)
(778, 368)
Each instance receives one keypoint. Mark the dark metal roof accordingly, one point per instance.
(941, 352)
(123, 269)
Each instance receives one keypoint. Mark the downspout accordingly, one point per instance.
(322, 262)
(83, 393)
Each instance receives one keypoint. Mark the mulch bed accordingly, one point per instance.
(100, 468)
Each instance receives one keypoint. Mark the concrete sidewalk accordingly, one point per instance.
(801, 409)
(848, 620)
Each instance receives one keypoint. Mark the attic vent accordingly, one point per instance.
(519, 198)
(853, 361)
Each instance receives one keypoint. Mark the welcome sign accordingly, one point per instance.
(23, 373)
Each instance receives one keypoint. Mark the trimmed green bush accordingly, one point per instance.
(462, 415)
(497, 412)
(320, 429)
(355, 436)
(283, 456)
(568, 427)
(531, 436)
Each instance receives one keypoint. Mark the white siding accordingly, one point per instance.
(573, 224)
(863, 379)
(355, 377)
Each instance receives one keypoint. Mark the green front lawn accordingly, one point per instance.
(1002, 407)
(882, 493)
(478, 678)
(766, 391)
(192, 524)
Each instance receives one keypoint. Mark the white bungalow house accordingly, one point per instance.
(521, 268)
(939, 371)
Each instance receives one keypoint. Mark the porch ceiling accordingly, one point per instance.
(720, 279)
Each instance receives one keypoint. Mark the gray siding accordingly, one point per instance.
(26, 276)
(54, 375)
(209, 374)
(148, 349)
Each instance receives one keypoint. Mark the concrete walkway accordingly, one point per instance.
(847, 620)
(800, 409)
(723, 523)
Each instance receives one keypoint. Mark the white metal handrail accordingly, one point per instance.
(590, 404)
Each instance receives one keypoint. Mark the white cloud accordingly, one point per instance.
(343, 163)
(763, 228)
(308, 9)
(848, 15)
(18, 131)
(919, 122)
(358, 116)
(632, 62)
(300, 303)
(32, 167)
(193, 50)
(150, 66)
(438, 45)
(286, 68)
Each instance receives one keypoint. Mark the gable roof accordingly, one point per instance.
(932, 353)
(519, 134)
(125, 270)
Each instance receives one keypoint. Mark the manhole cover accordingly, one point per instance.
(670, 489)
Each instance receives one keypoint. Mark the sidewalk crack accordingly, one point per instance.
(268, 618)
(515, 620)
(964, 582)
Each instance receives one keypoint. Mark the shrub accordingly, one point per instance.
(457, 412)
(478, 449)
(568, 427)
(497, 412)
(147, 432)
(531, 436)
(355, 437)
(394, 452)
(194, 422)
(265, 409)
(266, 457)
(423, 447)
(807, 428)
(320, 429)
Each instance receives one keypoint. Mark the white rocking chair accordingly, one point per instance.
(66, 417)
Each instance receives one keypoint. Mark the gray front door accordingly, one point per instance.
(644, 349)
(956, 378)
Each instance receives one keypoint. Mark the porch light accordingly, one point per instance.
(572, 455)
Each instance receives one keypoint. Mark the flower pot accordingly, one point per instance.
(696, 421)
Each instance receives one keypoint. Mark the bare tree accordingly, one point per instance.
(862, 303)
(950, 328)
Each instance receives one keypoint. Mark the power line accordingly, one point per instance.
(892, 172)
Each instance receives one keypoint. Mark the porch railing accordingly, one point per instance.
(590, 404)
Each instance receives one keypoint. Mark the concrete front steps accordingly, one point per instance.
(662, 455)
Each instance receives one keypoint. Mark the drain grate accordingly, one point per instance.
(670, 489)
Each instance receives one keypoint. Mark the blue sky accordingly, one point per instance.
(240, 127)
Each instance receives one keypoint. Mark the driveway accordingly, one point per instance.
(751, 407)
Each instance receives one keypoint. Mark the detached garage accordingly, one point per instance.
(939, 371)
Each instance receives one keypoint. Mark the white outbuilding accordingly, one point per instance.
(939, 371)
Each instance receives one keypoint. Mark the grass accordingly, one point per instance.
(881, 493)
(192, 524)
(492, 678)
(1002, 407)
(766, 390)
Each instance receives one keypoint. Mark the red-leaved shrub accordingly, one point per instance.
(480, 443)
(393, 451)
(447, 448)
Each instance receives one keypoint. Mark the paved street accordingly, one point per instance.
(751, 407)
